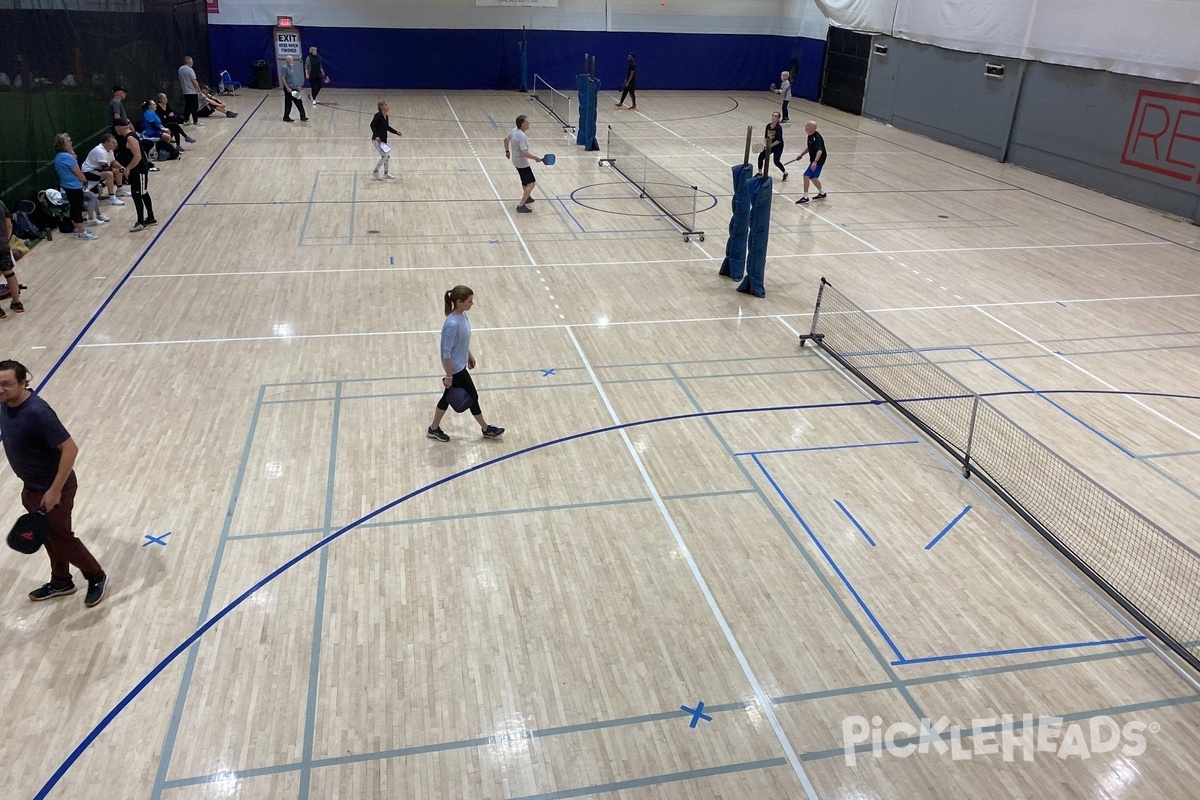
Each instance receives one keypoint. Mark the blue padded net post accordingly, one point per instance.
(761, 190)
(739, 224)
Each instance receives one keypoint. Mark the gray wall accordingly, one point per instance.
(943, 94)
(1076, 124)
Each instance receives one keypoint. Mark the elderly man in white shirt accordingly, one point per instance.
(101, 167)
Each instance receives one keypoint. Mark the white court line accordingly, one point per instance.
(495, 191)
(671, 261)
(552, 326)
(1091, 375)
(762, 700)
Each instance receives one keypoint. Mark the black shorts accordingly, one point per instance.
(526, 174)
(75, 200)
(6, 262)
(93, 176)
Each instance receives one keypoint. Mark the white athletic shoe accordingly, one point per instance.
(124, 192)
(114, 201)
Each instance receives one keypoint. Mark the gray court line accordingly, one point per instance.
(1169, 477)
(168, 748)
(641, 719)
(795, 356)
(1015, 725)
(837, 598)
(498, 513)
(657, 780)
(1172, 455)
(314, 665)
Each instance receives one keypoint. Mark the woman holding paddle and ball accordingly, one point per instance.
(457, 387)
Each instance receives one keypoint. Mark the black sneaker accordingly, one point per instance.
(47, 591)
(3, 316)
(151, 221)
(802, 200)
(785, 176)
(524, 210)
(492, 432)
(437, 433)
(288, 119)
(821, 196)
(531, 200)
(230, 114)
(17, 307)
(95, 592)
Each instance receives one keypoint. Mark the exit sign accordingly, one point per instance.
(283, 22)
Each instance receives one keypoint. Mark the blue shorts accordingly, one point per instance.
(814, 171)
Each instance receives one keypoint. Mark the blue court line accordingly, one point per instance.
(494, 125)
(845, 581)
(946, 529)
(850, 516)
(1057, 405)
(308, 209)
(1016, 651)
(1172, 455)
(208, 624)
(168, 748)
(569, 214)
(353, 198)
(801, 449)
(157, 235)
(314, 665)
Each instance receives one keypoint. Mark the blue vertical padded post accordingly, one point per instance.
(739, 224)
(762, 190)
(588, 90)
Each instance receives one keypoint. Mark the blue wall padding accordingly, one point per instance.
(405, 58)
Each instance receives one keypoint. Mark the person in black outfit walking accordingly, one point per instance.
(772, 145)
(137, 174)
(379, 131)
(630, 86)
(314, 70)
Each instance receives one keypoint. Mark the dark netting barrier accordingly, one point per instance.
(59, 62)
(1153, 575)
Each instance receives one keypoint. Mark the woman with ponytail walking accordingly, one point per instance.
(456, 361)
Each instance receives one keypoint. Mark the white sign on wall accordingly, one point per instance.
(287, 43)
(519, 3)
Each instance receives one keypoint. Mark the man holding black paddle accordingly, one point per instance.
(42, 454)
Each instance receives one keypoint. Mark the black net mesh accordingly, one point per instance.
(1147, 570)
(674, 196)
(59, 62)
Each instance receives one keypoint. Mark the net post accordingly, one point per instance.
(695, 194)
(749, 134)
(970, 438)
(812, 334)
(592, 68)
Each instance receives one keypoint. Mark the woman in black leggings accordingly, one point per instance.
(137, 174)
(772, 145)
(456, 361)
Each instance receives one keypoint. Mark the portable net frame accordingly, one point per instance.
(556, 102)
(670, 194)
(1150, 573)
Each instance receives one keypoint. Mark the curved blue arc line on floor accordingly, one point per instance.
(158, 234)
(287, 565)
(141, 685)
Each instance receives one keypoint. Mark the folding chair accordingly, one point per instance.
(228, 84)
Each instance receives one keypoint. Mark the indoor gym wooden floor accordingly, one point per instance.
(257, 373)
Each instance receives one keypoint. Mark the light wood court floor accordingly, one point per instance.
(533, 615)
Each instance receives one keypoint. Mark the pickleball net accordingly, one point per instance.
(670, 194)
(556, 102)
(1150, 573)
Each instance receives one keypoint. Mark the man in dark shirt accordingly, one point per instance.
(816, 160)
(7, 268)
(42, 454)
(116, 108)
(630, 86)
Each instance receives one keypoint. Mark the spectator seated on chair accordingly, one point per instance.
(172, 121)
(100, 169)
(155, 133)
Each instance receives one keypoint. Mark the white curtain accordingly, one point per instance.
(1151, 38)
